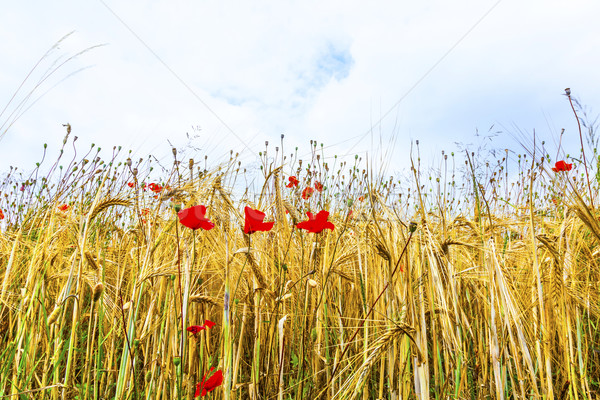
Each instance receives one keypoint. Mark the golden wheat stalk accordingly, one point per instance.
(107, 204)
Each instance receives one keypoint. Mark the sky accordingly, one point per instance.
(366, 78)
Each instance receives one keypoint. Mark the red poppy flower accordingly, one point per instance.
(197, 328)
(254, 221)
(194, 218)
(361, 198)
(307, 192)
(155, 187)
(210, 384)
(131, 184)
(194, 329)
(316, 223)
(1, 215)
(318, 186)
(293, 182)
(562, 166)
(64, 207)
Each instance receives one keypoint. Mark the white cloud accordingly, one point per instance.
(312, 70)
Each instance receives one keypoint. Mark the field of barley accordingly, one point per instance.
(127, 279)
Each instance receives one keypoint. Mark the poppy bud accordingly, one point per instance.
(412, 227)
(191, 164)
(128, 162)
(568, 91)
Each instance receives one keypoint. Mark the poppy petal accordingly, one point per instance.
(254, 221)
(209, 324)
(194, 218)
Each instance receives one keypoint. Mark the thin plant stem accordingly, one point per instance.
(587, 174)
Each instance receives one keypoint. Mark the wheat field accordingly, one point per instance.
(443, 285)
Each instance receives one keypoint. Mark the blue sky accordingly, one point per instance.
(348, 74)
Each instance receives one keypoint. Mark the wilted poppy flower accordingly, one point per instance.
(64, 207)
(131, 184)
(307, 192)
(318, 186)
(210, 384)
(194, 218)
(562, 166)
(316, 223)
(254, 221)
(293, 181)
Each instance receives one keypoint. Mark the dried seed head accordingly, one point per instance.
(568, 91)
(54, 315)
(98, 289)
(90, 259)
(202, 300)
(191, 164)
(284, 297)
(128, 162)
